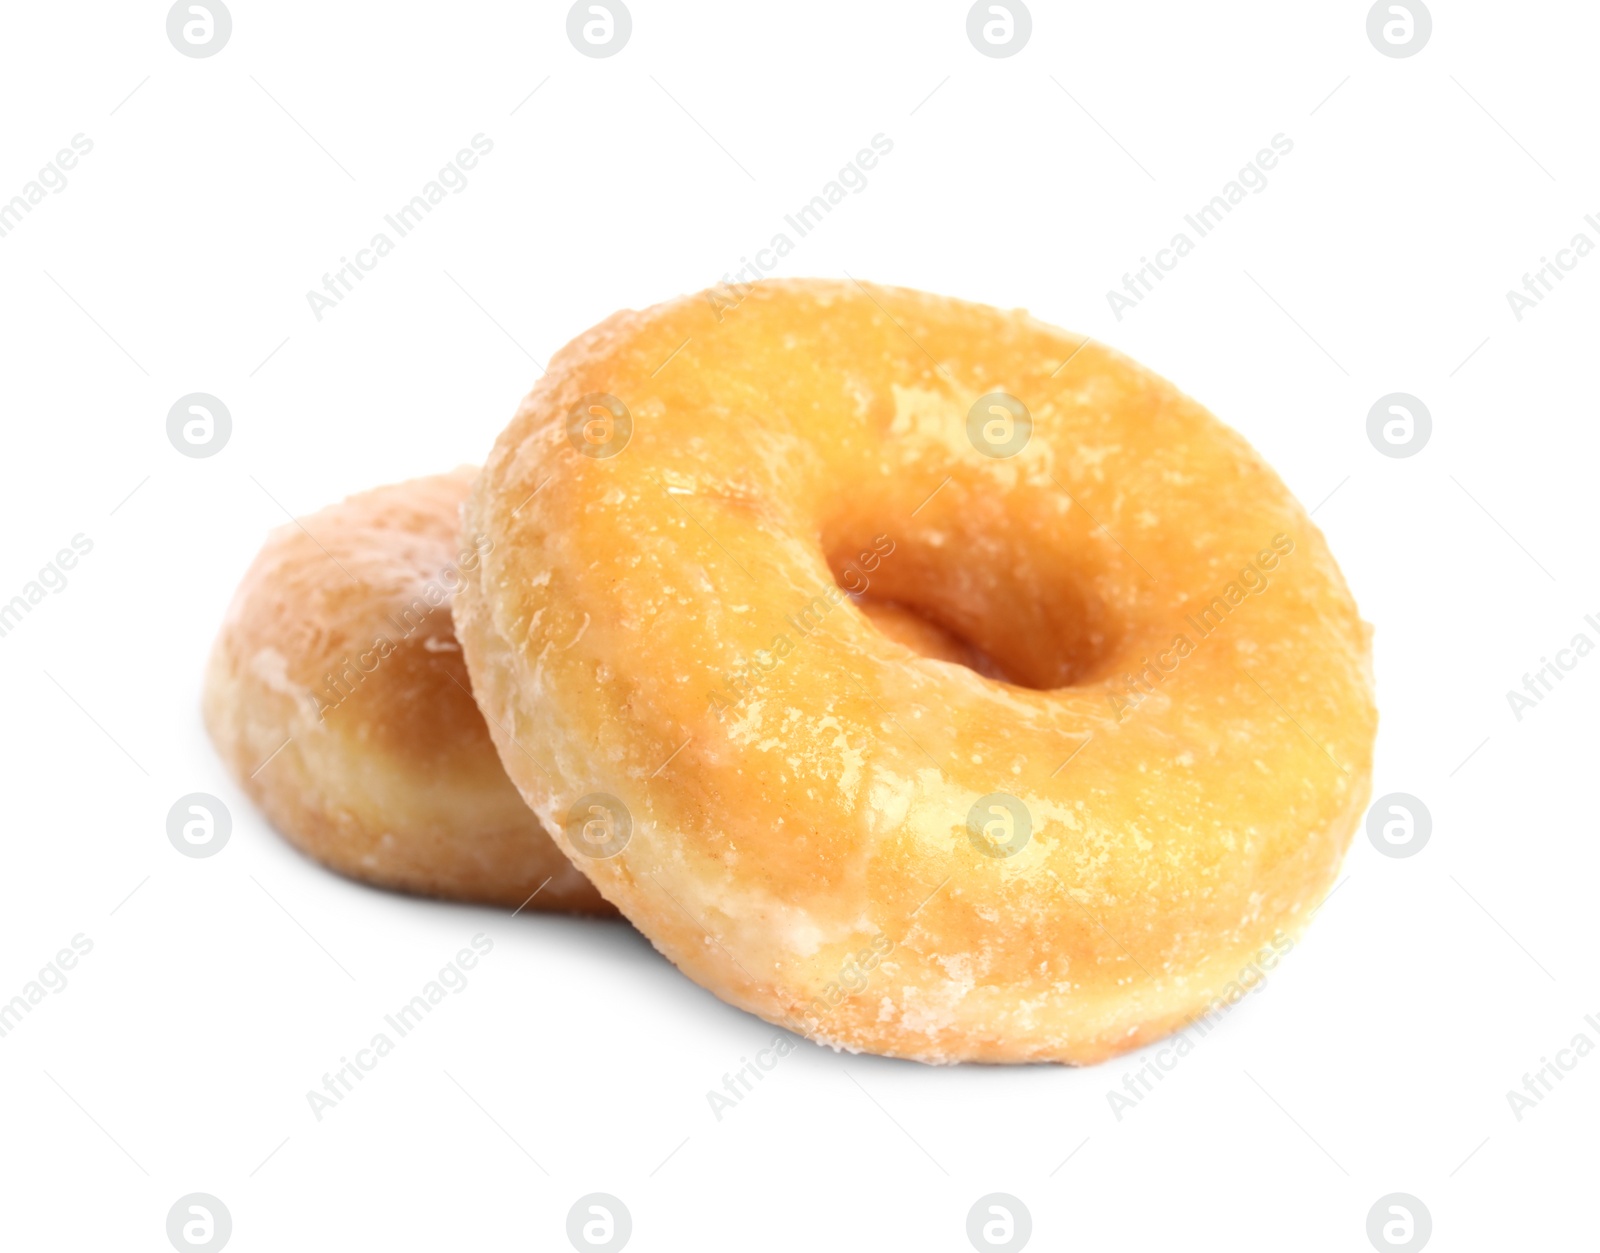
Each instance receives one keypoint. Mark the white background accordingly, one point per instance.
(1377, 1058)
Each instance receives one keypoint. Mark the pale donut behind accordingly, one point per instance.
(337, 695)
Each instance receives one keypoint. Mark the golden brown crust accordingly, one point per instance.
(337, 695)
(812, 805)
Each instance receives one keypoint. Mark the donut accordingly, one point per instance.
(337, 696)
(1129, 818)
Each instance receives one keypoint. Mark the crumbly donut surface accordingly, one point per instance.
(337, 696)
(1187, 723)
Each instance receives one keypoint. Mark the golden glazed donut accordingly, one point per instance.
(337, 696)
(891, 852)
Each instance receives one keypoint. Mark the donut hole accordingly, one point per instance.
(905, 625)
(1018, 617)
